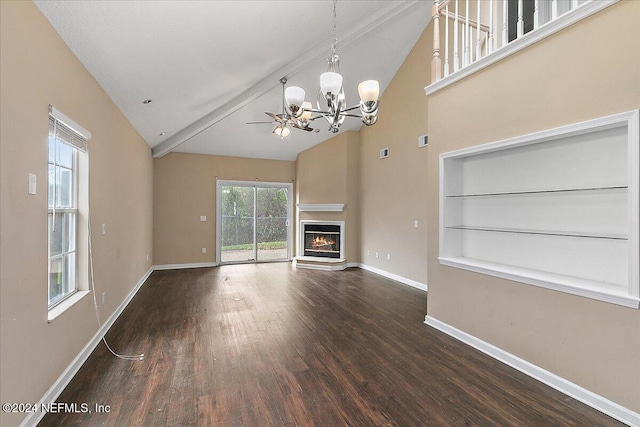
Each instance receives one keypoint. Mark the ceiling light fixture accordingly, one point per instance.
(331, 101)
(285, 121)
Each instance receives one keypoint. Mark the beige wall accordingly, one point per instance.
(328, 173)
(393, 192)
(37, 69)
(184, 189)
(584, 72)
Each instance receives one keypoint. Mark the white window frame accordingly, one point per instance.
(77, 141)
(63, 211)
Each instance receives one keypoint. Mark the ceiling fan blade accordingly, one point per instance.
(259, 123)
(276, 117)
(308, 129)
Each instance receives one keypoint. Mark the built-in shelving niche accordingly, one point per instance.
(557, 209)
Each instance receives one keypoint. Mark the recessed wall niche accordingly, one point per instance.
(556, 209)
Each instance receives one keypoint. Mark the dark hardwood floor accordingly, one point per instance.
(269, 345)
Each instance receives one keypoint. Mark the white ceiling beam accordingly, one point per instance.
(312, 56)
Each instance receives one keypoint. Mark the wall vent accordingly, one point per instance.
(423, 140)
(384, 153)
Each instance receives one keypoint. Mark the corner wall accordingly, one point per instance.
(37, 69)
(583, 72)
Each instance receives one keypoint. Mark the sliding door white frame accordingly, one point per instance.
(255, 185)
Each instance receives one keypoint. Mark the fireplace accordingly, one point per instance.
(322, 239)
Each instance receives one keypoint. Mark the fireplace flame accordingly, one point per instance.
(321, 242)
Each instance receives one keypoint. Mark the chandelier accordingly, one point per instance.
(331, 102)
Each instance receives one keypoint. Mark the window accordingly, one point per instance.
(64, 144)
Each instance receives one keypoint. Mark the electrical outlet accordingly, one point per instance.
(104, 296)
(368, 252)
(415, 223)
(204, 250)
(104, 229)
(377, 255)
(388, 257)
(203, 218)
(32, 183)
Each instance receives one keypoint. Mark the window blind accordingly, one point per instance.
(66, 131)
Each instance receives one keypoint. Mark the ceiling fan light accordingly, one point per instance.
(278, 131)
(369, 90)
(330, 82)
(285, 132)
(294, 96)
(306, 115)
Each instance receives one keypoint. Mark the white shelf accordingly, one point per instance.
(557, 209)
(603, 291)
(320, 207)
(541, 232)
(560, 190)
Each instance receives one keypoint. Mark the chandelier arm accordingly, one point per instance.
(322, 114)
(351, 108)
(351, 115)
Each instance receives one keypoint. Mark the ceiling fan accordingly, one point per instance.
(284, 121)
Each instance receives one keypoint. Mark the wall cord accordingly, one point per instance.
(92, 285)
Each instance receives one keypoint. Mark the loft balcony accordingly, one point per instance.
(470, 35)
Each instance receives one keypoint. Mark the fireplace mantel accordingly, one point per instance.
(320, 207)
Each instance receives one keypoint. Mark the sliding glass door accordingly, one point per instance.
(253, 221)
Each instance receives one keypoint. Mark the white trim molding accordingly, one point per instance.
(181, 266)
(403, 280)
(585, 10)
(320, 207)
(565, 386)
(63, 380)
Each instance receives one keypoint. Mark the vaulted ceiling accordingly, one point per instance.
(209, 67)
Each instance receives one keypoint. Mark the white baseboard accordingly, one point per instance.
(180, 266)
(573, 390)
(403, 280)
(52, 394)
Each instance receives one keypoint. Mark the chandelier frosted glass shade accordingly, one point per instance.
(306, 114)
(282, 131)
(330, 83)
(369, 90)
(294, 97)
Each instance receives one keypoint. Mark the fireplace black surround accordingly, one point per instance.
(322, 240)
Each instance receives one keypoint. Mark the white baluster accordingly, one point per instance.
(436, 64)
(446, 41)
(478, 44)
(554, 9)
(456, 56)
(574, 4)
(536, 14)
(490, 45)
(505, 31)
(467, 38)
(520, 25)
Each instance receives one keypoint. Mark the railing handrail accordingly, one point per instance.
(468, 32)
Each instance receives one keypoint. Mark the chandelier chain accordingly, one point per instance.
(334, 44)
